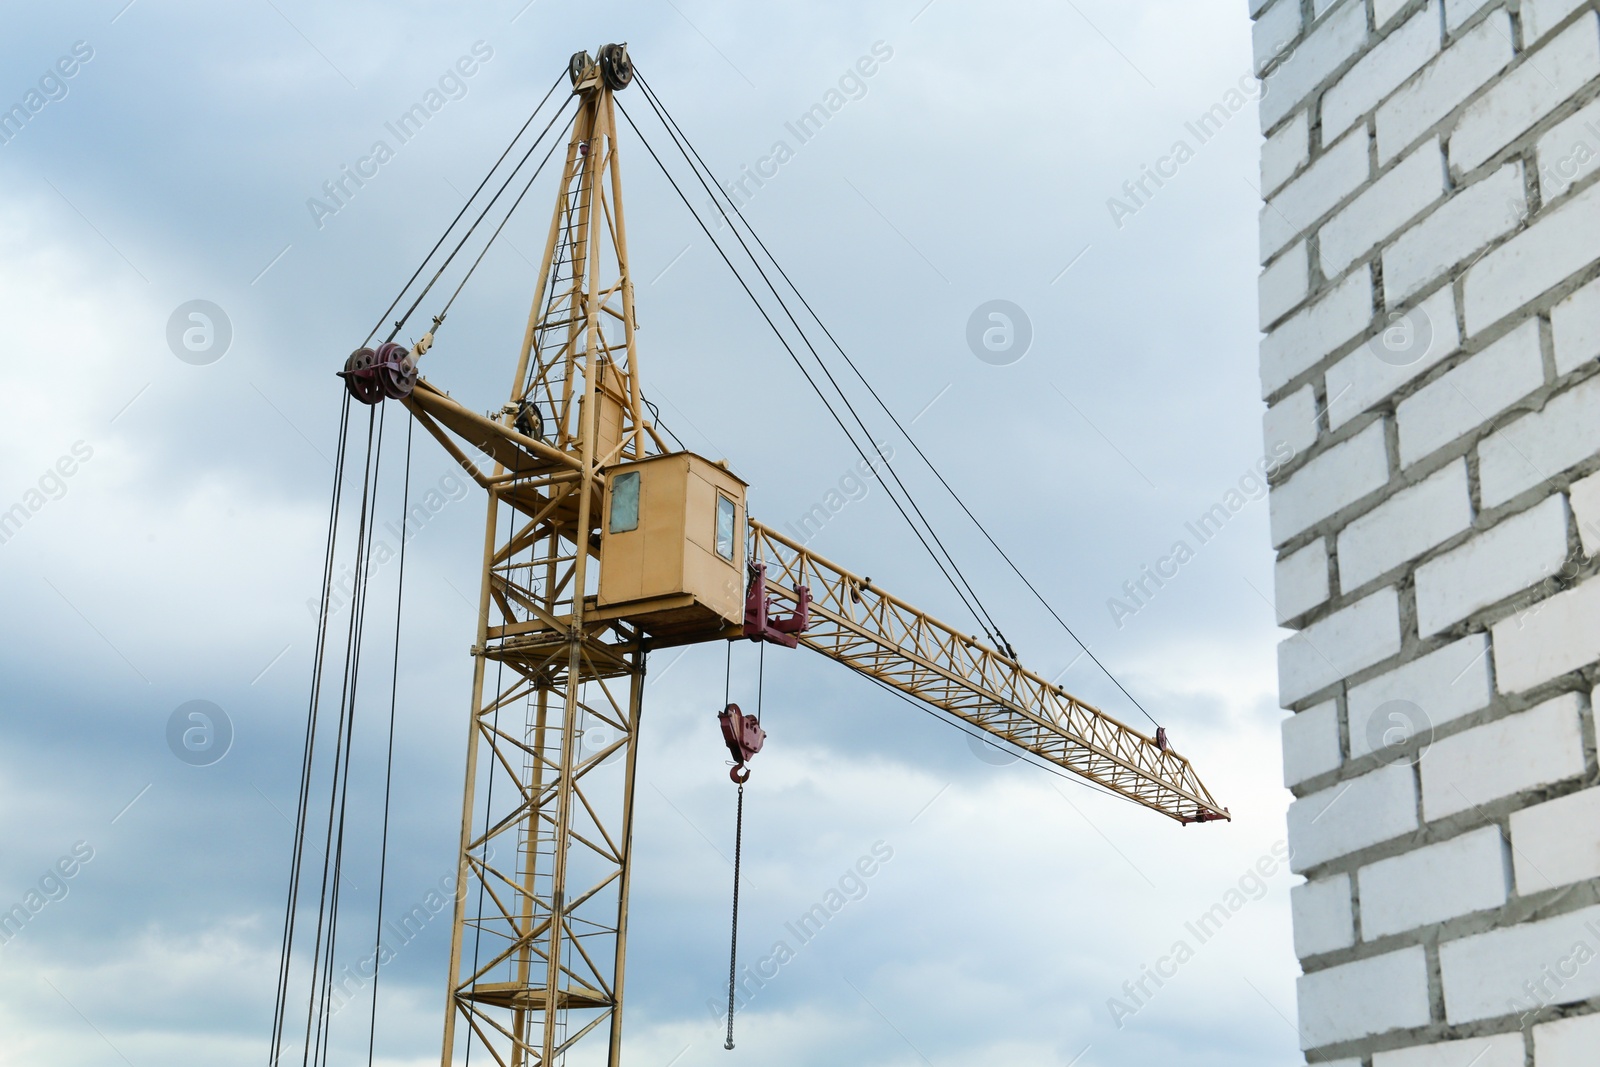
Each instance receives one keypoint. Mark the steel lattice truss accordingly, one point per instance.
(889, 640)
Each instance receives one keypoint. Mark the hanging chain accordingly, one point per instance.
(733, 951)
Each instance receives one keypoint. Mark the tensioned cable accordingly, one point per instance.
(799, 364)
(286, 947)
(512, 210)
(443, 236)
(667, 118)
(992, 629)
(388, 769)
(400, 323)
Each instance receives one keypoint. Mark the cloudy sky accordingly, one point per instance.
(178, 162)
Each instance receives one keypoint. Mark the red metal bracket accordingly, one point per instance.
(760, 624)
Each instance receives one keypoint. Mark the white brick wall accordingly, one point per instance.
(1441, 167)
(1370, 996)
(1445, 685)
(1291, 421)
(1551, 637)
(1316, 330)
(1543, 255)
(1323, 918)
(1585, 497)
(1539, 17)
(1335, 479)
(1505, 559)
(1311, 743)
(1324, 50)
(1284, 284)
(1539, 446)
(1478, 389)
(1568, 152)
(1383, 207)
(1400, 55)
(1407, 347)
(1575, 322)
(1484, 975)
(1275, 30)
(1567, 1042)
(1405, 526)
(1284, 153)
(1335, 175)
(1339, 820)
(1536, 747)
(1501, 1050)
(1460, 228)
(1538, 86)
(1457, 73)
(1431, 884)
(1339, 645)
(1557, 843)
(1301, 580)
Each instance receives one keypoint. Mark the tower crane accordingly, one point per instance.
(603, 544)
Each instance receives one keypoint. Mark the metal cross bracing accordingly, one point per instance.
(888, 640)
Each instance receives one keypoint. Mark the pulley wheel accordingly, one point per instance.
(615, 66)
(359, 378)
(577, 65)
(396, 375)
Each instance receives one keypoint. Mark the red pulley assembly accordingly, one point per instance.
(744, 737)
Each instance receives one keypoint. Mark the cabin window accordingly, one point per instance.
(725, 517)
(625, 502)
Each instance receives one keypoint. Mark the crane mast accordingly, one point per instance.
(601, 544)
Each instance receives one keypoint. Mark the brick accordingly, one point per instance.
(1300, 581)
(1461, 227)
(1584, 496)
(1412, 342)
(1390, 62)
(1339, 645)
(1284, 284)
(1360, 999)
(1323, 917)
(1382, 208)
(1556, 635)
(1431, 884)
(1484, 975)
(1457, 12)
(1556, 843)
(1453, 76)
(1539, 17)
(1568, 152)
(1511, 556)
(1338, 477)
(1405, 526)
(1324, 50)
(1536, 747)
(1567, 1042)
(1556, 246)
(1543, 81)
(1291, 421)
(1471, 394)
(1274, 31)
(1501, 1050)
(1336, 174)
(1311, 743)
(1575, 324)
(1352, 815)
(1541, 444)
(1311, 333)
(1285, 152)
(1444, 685)
(1384, 12)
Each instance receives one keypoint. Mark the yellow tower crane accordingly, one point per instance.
(602, 545)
